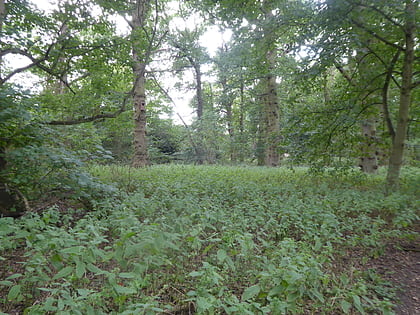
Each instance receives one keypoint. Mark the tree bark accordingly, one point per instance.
(141, 156)
(369, 159)
(242, 141)
(227, 105)
(198, 89)
(397, 150)
(200, 107)
(271, 111)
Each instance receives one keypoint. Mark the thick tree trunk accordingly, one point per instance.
(271, 111)
(397, 150)
(271, 104)
(141, 157)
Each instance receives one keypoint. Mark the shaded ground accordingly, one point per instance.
(400, 264)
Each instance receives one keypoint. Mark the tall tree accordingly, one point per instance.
(189, 54)
(266, 32)
(387, 32)
(141, 57)
(407, 85)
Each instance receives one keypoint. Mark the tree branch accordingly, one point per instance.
(385, 88)
(94, 117)
(386, 16)
(374, 34)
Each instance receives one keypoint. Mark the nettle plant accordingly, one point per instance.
(207, 240)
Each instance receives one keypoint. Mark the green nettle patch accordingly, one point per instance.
(209, 240)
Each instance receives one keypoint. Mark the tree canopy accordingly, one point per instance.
(312, 83)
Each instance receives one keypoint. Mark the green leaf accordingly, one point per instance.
(195, 273)
(358, 304)
(80, 269)
(345, 306)
(124, 290)
(127, 275)
(94, 269)
(83, 292)
(63, 272)
(73, 250)
(221, 255)
(14, 276)
(251, 292)
(203, 304)
(6, 283)
(318, 295)
(14, 292)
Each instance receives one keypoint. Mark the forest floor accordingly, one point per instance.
(400, 264)
(226, 240)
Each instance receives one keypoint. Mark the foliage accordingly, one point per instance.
(239, 240)
(38, 160)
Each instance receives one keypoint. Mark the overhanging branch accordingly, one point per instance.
(98, 117)
(376, 35)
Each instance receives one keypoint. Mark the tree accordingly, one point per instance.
(387, 32)
(189, 54)
(140, 58)
(266, 32)
(407, 84)
(56, 47)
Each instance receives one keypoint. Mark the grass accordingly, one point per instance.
(210, 240)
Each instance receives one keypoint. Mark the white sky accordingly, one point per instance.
(212, 39)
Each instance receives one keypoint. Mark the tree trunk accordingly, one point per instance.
(199, 89)
(271, 111)
(141, 157)
(241, 122)
(271, 104)
(227, 105)
(369, 159)
(260, 145)
(200, 105)
(397, 150)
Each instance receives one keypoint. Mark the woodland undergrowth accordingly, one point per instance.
(179, 239)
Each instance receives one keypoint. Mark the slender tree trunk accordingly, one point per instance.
(369, 158)
(4, 194)
(231, 132)
(60, 87)
(141, 157)
(227, 105)
(200, 105)
(260, 144)
(2, 17)
(199, 89)
(241, 122)
(397, 150)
